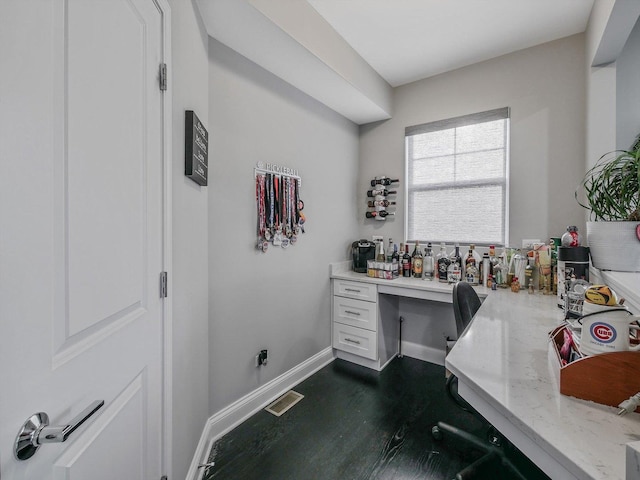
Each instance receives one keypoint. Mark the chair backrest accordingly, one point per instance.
(465, 305)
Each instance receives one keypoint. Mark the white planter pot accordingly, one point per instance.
(614, 245)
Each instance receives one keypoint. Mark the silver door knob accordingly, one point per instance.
(36, 431)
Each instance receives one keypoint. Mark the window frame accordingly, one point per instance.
(456, 122)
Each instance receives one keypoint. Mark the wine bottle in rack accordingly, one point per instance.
(383, 181)
(382, 213)
(380, 191)
(380, 203)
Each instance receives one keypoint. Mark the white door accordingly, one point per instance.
(81, 234)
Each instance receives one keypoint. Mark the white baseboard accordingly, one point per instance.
(230, 417)
(420, 352)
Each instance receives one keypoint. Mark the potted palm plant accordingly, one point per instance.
(612, 195)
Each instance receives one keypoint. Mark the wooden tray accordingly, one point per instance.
(608, 378)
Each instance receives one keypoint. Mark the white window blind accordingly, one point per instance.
(457, 179)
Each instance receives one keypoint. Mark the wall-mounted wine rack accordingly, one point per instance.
(378, 198)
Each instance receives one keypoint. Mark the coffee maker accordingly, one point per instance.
(362, 250)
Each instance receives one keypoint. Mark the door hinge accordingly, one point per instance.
(163, 285)
(163, 76)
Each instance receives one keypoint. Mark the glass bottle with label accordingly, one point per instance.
(474, 253)
(428, 264)
(471, 270)
(486, 269)
(528, 274)
(406, 262)
(389, 252)
(454, 270)
(455, 254)
(416, 261)
(442, 263)
(380, 256)
(454, 273)
(493, 260)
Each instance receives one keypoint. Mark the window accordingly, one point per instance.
(457, 179)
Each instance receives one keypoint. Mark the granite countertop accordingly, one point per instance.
(504, 359)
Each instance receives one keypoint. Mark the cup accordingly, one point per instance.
(606, 331)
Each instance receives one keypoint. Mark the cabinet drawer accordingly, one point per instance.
(356, 313)
(355, 340)
(361, 291)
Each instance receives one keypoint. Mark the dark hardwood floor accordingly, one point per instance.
(355, 423)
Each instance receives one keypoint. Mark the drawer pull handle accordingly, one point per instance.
(352, 290)
(357, 314)
(357, 342)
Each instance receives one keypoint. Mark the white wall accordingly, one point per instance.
(628, 91)
(545, 88)
(188, 281)
(277, 300)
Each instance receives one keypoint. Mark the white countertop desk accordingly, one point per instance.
(503, 368)
(408, 287)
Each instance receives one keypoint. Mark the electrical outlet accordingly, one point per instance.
(377, 238)
(527, 243)
(262, 358)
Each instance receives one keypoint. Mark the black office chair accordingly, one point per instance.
(465, 305)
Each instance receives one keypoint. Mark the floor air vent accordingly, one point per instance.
(284, 403)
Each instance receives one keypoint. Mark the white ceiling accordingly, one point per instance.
(407, 40)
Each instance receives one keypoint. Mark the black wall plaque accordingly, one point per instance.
(196, 145)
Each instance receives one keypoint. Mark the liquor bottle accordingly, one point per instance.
(382, 214)
(493, 260)
(389, 252)
(395, 261)
(454, 272)
(499, 273)
(469, 258)
(472, 251)
(380, 257)
(471, 270)
(380, 191)
(486, 269)
(400, 254)
(379, 203)
(383, 181)
(406, 262)
(416, 261)
(455, 254)
(428, 264)
(442, 263)
(528, 275)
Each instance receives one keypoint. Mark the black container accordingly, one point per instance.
(362, 251)
(571, 261)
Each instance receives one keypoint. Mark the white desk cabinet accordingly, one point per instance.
(365, 325)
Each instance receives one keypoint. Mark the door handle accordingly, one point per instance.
(37, 431)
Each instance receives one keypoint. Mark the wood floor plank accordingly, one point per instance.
(357, 424)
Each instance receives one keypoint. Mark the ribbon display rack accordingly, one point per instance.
(279, 206)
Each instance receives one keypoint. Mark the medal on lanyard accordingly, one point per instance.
(288, 229)
(271, 226)
(277, 236)
(300, 218)
(260, 198)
